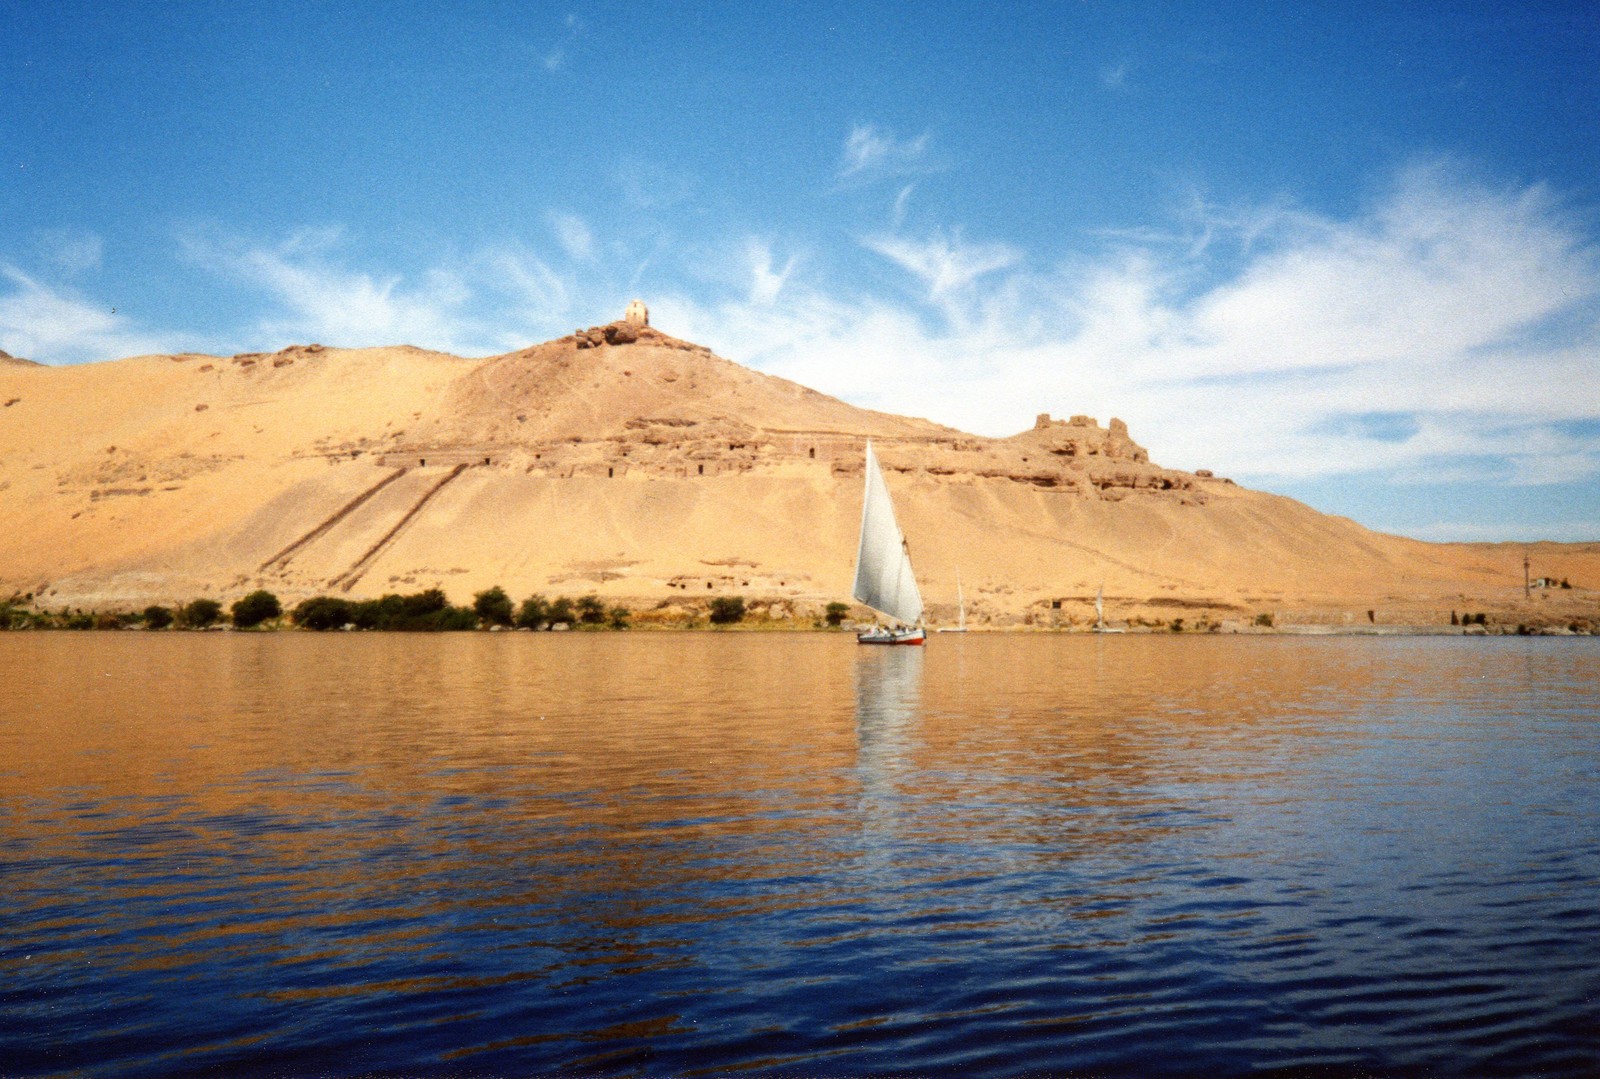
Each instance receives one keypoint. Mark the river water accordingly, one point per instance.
(681, 854)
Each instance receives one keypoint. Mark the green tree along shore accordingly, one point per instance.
(427, 611)
(494, 609)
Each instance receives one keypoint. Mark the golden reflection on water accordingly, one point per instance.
(667, 743)
(475, 831)
(196, 717)
(632, 762)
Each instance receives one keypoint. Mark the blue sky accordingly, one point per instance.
(1345, 252)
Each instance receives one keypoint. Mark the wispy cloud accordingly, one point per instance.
(538, 293)
(649, 185)
(944, 264)
(487, 301)
(51, 325)
(872, 154)
(1467, 314)
(554, 58)
(574, 235)
(321, 300)
(765, 282)
(72, 251)
(1577, 531)
(897, 215)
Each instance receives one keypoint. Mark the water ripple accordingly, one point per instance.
(704, 855)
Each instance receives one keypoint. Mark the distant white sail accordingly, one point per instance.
(884, 580)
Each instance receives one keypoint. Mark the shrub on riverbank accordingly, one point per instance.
(199, 614)
(493, 607)
(428, 611)
(321, 613)
(726, 610)
(560, 611)
(588, 612)
(533, 613)
(591, 612)
(255, 609)
(15, 614)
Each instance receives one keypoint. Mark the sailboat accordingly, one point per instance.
(961, 611)
(1100, 613)
(884, 580)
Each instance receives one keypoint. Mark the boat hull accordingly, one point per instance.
(878, 635)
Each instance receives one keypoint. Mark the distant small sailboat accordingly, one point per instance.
(1100, 613)
(961, 611)
(884, 580)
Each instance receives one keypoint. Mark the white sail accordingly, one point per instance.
(884, 580)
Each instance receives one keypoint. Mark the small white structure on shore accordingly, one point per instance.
(637, 314)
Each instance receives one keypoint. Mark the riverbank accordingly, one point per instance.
(492, 610)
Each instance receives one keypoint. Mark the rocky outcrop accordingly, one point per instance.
(1078, 455)
(624, 401)
(1083, 437)
(614, 333)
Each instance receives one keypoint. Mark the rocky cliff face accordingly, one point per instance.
(625, 399)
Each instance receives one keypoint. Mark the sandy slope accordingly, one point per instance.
(653, 472)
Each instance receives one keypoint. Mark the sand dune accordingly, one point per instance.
(625, 462)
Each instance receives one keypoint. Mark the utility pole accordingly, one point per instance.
(1527, 584)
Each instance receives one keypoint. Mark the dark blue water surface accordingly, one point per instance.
(662, 854)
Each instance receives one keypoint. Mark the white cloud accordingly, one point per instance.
(554, 58)
(765, 282)
(1575, 531)
(872, 154)
(72, 251)
(496, 299)
(897, 215)
(41, 323)
(1448, 329)
(944, 264)
(649, 185)
(574, 235)
(1430, 276)
(327, 303)
(541, 294)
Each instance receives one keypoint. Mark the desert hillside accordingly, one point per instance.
(625, 462)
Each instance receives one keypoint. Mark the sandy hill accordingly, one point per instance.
(625, 462)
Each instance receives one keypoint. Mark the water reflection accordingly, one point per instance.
(661, 854)
(888, 691)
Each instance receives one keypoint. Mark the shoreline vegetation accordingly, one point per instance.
(492, 610)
